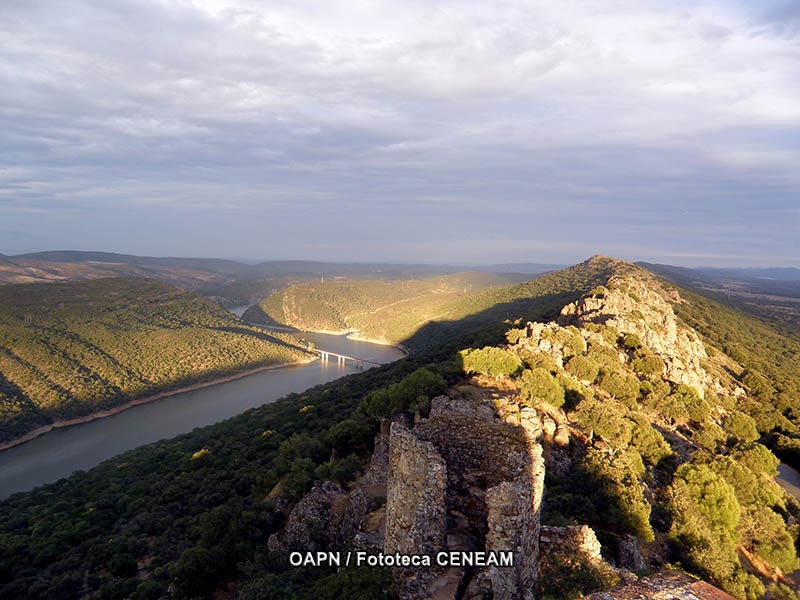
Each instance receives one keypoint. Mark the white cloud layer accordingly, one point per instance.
(537, 129)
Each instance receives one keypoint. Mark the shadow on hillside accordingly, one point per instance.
(262, 335)
(488, 326)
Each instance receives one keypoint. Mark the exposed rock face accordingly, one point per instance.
(630, 555)
(576, 540)
(415, 501)
(669, 585)
(464, 479)
(327, 517)
(637, 304)
(513, 519)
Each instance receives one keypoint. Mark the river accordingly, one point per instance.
(58, 453)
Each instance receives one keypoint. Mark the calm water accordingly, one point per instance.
(57, 454)
(239, 310)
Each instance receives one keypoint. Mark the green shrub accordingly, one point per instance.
(606, 419)
(533, 360)
(538, 384)
(683, 405)
(740, 427)
(617, 480)
(582, 367)
(497, 362)
(632, 341)
(620, 386)
(765, 533)
(605, 357)
(649, 442)
(751, 489)
(574, 390)
(757, 458)
(514, 335)
(648, 365)
(572, 341)
(712, 499)
(708, 436)
(412, 393)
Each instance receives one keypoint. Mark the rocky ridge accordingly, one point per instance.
(469, 475)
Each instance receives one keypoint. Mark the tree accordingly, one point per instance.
(740, 427)
(497, 362)
(582, 367)
(538, 384)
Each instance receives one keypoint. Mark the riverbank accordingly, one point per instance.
(32, 435)
(352, 334)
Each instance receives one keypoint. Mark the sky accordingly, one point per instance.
(409, 131)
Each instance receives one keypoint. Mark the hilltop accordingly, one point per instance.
(621, 426)
(425, 313)
(71, 350)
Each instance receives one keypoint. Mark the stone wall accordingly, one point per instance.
(465, 479)
(415, 500)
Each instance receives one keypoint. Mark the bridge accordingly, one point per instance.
(342, 359)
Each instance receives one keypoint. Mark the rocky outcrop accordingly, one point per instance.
(465, 479)
(635, 303)
(579, 541)
(325, 518)
(669, 585)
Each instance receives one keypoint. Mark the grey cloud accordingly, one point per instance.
(275, 132)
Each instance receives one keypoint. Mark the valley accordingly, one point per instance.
(650, 415)
(69, 351)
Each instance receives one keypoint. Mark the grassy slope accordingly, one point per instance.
(417, 312)
(94, 345)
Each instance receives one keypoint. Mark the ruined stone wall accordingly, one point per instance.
(415, 501)
(465, 479)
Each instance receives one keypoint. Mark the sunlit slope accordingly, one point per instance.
(191, 516)
(72, 349)
(422, 312)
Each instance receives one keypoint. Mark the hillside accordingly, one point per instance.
(422, 313)
(620, 435)
(69, 350)
(770, 294)
(228, 282)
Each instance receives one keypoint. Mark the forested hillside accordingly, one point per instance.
(653, 435)
(72, 349)
(422, 313)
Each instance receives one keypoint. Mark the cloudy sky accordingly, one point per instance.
(413, 130)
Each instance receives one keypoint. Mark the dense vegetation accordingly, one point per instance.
(679, 471)
(152, 517)
(383, 310)
(192, 512)
(682, 472)
(72, 349)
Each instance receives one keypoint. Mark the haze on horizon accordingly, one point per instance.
(455, 132)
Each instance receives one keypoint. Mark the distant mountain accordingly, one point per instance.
(216, 265)
(424, 312)
(776, 273)
(773, 294)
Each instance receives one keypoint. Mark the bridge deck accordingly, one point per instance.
(325, 354)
